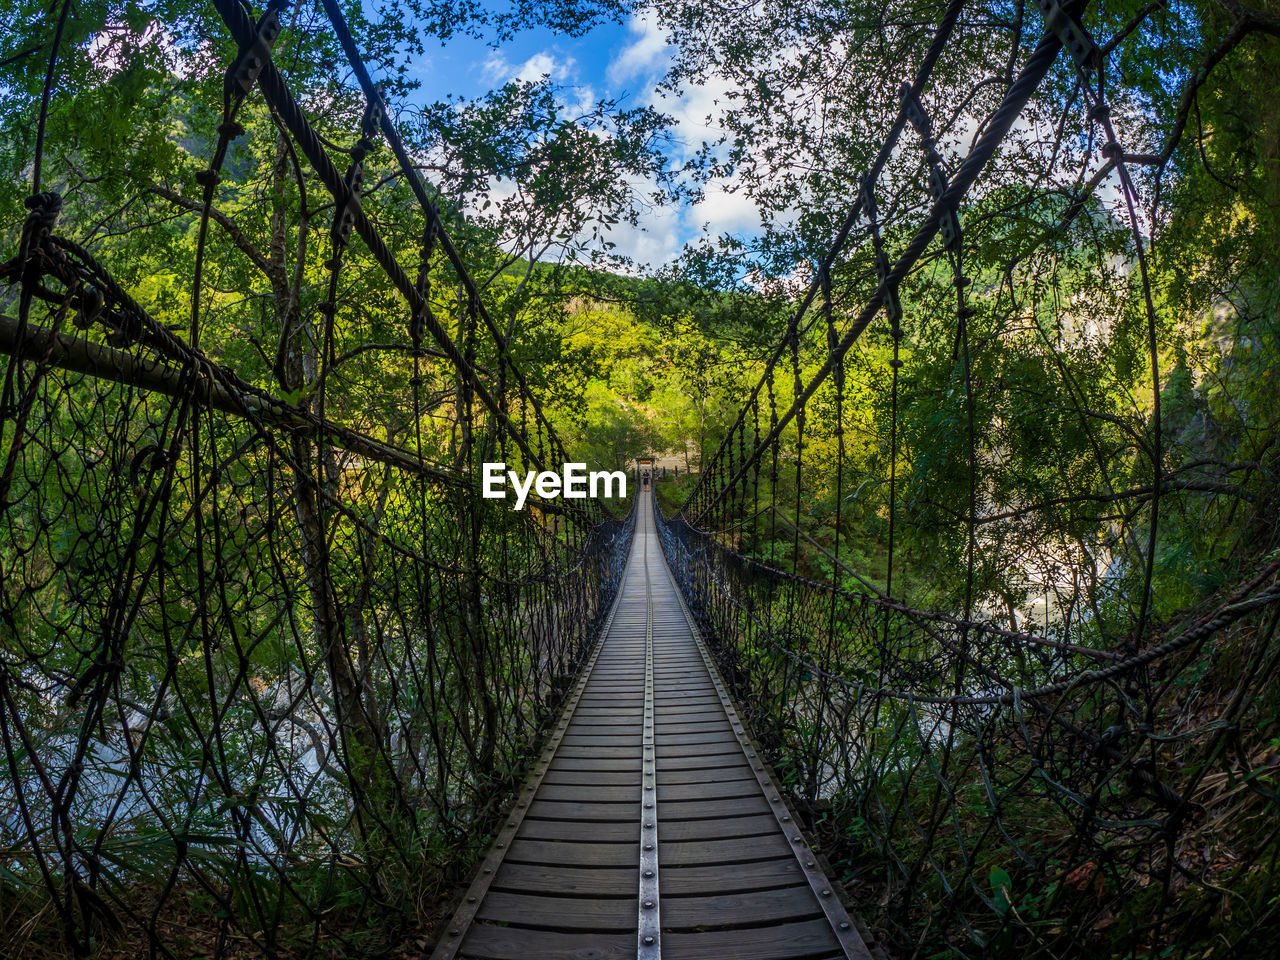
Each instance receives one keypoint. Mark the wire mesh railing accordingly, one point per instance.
(990, 790)
(270, 666)
(964, 677)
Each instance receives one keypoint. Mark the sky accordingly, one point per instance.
(624, 60)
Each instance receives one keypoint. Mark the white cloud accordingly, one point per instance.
(722, 210)
(645, 55)
(699, 114)
(544, 65)
(498, 69)
(655, 241)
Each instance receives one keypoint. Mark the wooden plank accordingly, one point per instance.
(698, 880)
(735, 850)
(568, 881)
(717, 829)
(710, 775)
(590, 778)
(685, 714)
(597, 793)
(574, 739)
(703, 693)
(518, 943)
(707, 702)
(566, 853)
(608, 712)
(595, 753)
(674, 751)
(557, 810)
(673, 741)
(621, 831)
(560, 913)
(708, 790)
(629, 730)
(680, 722)
(731, 758)
(691, 743)
(590, 762)
(623, 718)
(789, 941)
(786, 904)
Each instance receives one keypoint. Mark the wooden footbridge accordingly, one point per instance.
(650, 826)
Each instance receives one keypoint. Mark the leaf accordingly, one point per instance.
(1001, 889)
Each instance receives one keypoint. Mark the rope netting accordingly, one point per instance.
(267, 656)
(965, 679)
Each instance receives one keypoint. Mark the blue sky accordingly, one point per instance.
(613, 60)
(465, 66)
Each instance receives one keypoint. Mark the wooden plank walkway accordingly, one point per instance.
(649, 827)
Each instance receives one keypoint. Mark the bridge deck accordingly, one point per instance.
(650, 827)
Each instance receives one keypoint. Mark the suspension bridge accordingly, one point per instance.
(268, 659)
(651, 823)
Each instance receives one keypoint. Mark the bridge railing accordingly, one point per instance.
(926, 552)
(269, 664)
(997, 788)
(289, 679)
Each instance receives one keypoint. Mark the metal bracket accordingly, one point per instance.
(949, 222)
(937, 180)
(892, 304)
(915, 112)
(256, 54)
(949, 229)
(1075, 39)
(344, 217)
(371, 121)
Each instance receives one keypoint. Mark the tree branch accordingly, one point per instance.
(221, 219)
